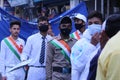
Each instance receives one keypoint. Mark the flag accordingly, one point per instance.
(28, 28)
(14, 3)
(81, 8)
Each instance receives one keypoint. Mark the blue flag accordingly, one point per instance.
(81, 8)
(28, 29)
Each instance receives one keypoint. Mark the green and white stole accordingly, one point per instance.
(66, 50)
(10, 42)
(75, 35)
(17, 50)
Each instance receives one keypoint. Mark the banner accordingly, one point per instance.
(28, 28)
(37, 0)
(81, 8)
(14, 3)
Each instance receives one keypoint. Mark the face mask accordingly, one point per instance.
(79, 26)
(43, 28)
(94, 28)
(65, 31)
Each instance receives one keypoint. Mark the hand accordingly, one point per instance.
(103, 39)
(95, 39)
(26, 67)
(4, 78)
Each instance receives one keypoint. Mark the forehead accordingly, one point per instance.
(43, 22)
(66, 24)
(94, 19)
(15, 26)
(77, 19)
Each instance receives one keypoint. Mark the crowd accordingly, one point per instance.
(92, 52)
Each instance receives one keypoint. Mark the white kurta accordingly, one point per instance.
(80, 56)
(32, 51)
(8, 60)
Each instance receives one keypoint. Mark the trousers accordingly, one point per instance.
(18, 74)
(36, 73)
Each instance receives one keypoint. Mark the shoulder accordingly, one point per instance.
(2, 41)
(51, 44)
(72, 32)
(80, 43)
(49, 38)
(33, 36)
(51, 41)
(20, 39)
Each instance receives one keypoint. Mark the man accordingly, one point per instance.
(58, 66)
(81, 51)
(93, 63)
(11, 49)
(80, 23)
(35, 49)
(108, 62)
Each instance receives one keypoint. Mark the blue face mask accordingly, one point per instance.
(94, 28)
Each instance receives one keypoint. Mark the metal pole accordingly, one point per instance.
(2, 6)
(108, 6)
(1, 3)
(73, 3)
(95, 5)
(102, 6)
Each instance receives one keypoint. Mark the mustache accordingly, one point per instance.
(16, 33)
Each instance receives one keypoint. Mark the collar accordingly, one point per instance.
(48, 37)
(16, 39)
(66, 40)
(79, 32)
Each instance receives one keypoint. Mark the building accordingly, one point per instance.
(32, 9)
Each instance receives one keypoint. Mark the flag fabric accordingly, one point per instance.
(80, 8)
(28, 28)
(14, 3)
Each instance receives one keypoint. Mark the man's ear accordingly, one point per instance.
(103, 33)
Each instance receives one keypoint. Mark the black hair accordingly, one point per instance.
(65, 20)
(95, 14)
(112, 25)
(15, 23)
(42, 18)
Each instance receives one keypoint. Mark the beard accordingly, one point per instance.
(15, 34)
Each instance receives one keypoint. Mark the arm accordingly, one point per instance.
(79, 57)
(26, 50)
(49, 60)
(2, 59)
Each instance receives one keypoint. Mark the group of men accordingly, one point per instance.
(70, 56)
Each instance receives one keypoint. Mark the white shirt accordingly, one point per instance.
(32, 49)
(7, 57)
(80, 53)
(80, 34)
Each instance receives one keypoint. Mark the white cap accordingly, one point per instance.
(80, 16)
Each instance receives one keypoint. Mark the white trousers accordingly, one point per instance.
(18, 74)
(35, 73)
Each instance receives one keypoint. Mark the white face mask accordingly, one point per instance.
(94, 28)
